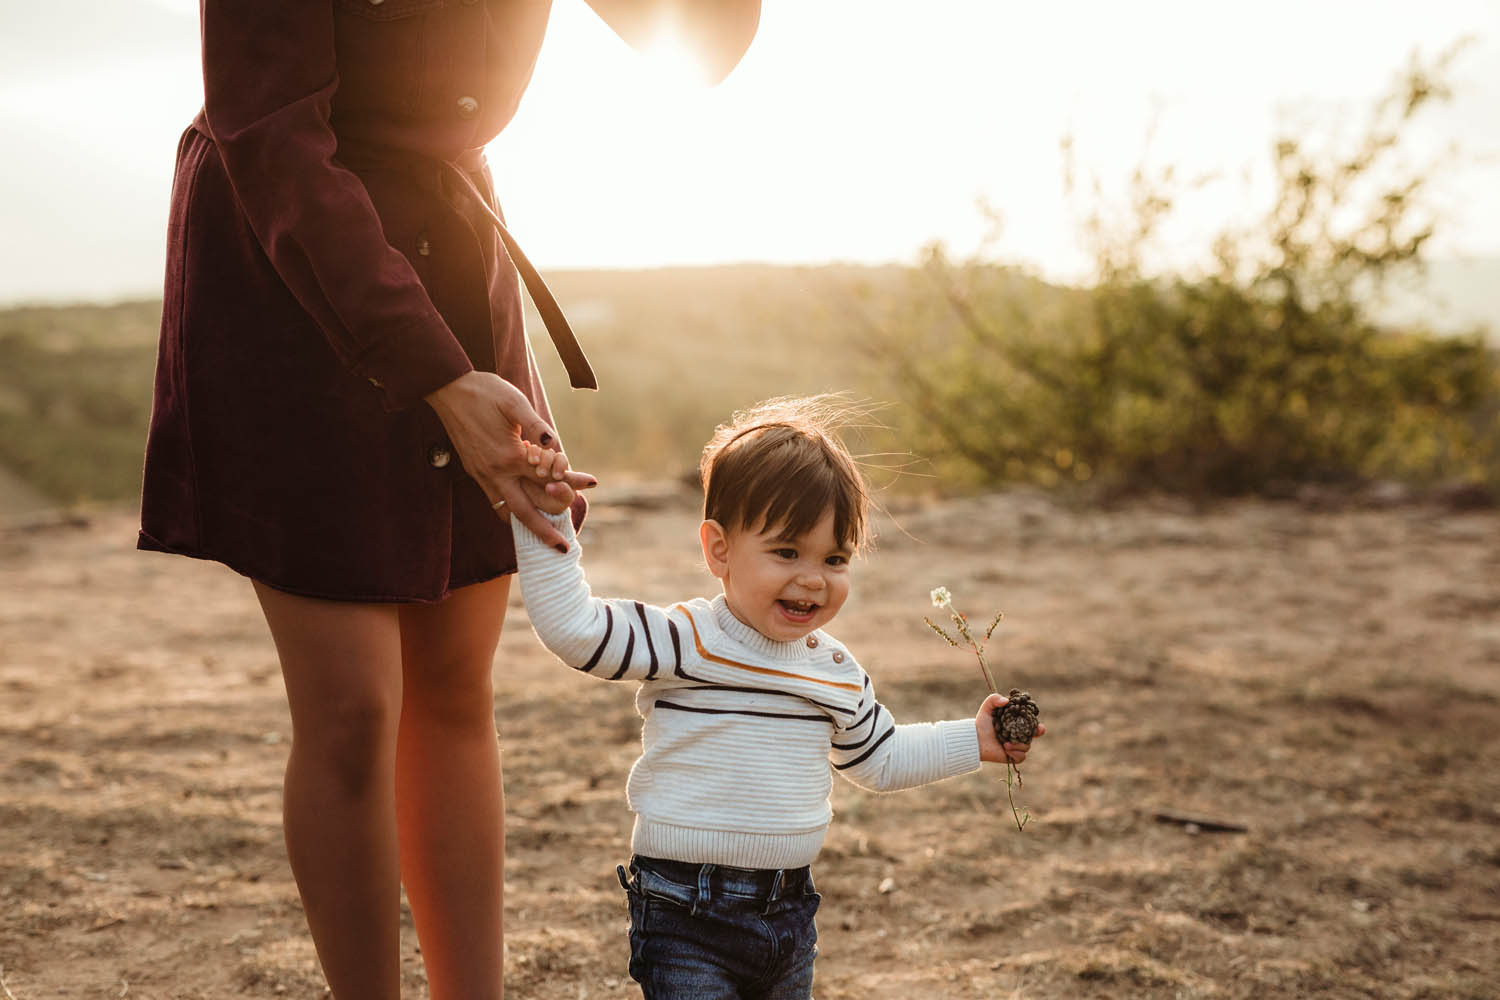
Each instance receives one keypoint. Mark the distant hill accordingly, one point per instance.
(676, 349)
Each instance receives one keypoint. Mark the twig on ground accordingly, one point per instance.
(1201, 824)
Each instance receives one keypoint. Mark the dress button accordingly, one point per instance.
(838, 657)
(467, 107)
(812, 642)
(439, 456)
(376, 3)
(424, 248)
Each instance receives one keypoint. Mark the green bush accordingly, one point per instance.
(75, 397)
(1267, 370)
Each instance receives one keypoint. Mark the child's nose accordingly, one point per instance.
(811, 580)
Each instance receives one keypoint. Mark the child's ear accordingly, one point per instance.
(715, 547)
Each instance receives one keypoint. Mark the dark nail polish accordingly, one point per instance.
(545, 440)
(561, 548)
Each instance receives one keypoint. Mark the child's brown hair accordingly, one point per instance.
(781, 462)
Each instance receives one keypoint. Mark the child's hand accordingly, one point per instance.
(990, 748)
(550, 491)
(547, 463)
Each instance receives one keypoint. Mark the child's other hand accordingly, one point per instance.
(990, 748)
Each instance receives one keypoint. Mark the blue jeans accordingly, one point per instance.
(707, 932)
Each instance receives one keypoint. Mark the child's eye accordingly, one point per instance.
(784, 553)
(837, 560)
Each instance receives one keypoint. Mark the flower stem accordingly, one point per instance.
(988, 677)
(1010, 793)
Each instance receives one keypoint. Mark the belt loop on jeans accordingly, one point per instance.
(775, 892)
(705, 893)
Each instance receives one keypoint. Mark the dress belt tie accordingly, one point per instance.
(429, 171)
(580, 373)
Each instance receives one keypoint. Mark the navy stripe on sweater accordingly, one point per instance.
(640, 610)
(888, 734)
(609, 627)
(625, 660)
(855, 746)
(770, 691)
(740, 711)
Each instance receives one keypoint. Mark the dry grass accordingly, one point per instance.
(1330, 680)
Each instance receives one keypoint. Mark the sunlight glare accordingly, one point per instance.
(671, 64)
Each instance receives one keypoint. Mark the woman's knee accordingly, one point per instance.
(351, 740)
(341, 662)
(451, 692)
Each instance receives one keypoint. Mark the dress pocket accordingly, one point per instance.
(381, 52)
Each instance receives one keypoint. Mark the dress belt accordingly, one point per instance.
(580, 373)
(430, 172)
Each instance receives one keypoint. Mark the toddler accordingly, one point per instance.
(746, 701)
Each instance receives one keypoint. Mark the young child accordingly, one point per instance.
(746, 701)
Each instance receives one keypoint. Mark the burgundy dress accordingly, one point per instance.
(330, 261)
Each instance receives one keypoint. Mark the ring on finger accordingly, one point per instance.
(497, 505)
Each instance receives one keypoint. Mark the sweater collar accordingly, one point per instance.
(752, 640)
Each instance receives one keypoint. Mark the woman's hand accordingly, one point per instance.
(490, 422)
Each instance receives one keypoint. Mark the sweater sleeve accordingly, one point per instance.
(876, 753)
(611, 639)
(269, 77)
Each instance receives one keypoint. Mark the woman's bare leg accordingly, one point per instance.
(342, 666)
(449, 801)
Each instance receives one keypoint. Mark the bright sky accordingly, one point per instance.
(854, 130)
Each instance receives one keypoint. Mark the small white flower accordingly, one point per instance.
(941, 598)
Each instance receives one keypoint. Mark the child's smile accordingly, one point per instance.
(800, 611)
(782, 587)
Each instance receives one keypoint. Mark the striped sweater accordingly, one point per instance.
(739, 730)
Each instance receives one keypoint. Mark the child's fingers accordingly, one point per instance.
(546, 461)
(553, 498)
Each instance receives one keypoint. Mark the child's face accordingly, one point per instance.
(783, 588)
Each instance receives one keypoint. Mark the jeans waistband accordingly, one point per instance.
(763, 884)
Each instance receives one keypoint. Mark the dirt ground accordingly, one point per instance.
(1329, 680)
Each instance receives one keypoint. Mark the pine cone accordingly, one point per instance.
(1016, 722)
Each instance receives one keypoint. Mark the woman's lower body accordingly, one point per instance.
(266, 453)
(378, 562)
(394, 777)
